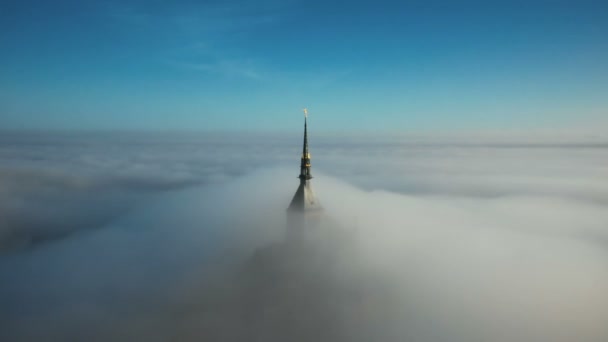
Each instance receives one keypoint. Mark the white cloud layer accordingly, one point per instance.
(454, 242)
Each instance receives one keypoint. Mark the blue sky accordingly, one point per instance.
(252, 65)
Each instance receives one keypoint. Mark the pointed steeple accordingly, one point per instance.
(305, 162)
(304, 198)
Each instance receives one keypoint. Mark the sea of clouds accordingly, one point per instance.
(116, 236)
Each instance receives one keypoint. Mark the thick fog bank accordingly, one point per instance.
(451, 243)
(521, 268)
(55, 184)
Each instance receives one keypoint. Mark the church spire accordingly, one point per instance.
(304, 198)
(305, 162)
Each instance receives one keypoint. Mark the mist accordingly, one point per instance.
(179, 237)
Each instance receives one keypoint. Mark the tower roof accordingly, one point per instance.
(304, 199)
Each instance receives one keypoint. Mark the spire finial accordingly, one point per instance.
(305, 110)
